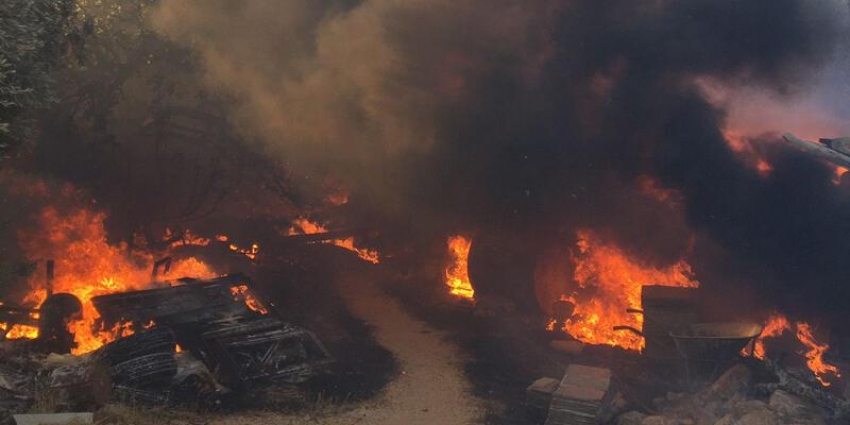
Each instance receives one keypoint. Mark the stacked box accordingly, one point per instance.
(579, 396)
(540, 392)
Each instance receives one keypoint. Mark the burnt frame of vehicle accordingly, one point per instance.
(211, 319)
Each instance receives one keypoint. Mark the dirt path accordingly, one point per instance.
(431, 388)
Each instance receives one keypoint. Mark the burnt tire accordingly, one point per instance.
(157, 340)
(145, 371)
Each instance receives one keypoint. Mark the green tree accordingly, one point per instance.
(34, 36)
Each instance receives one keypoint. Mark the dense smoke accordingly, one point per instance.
(544, 116)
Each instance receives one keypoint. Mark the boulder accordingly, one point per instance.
(733, 381)
(743, 407)
(631, 418)
(787, 404)
(759, 417)
(726, 420)
(658, 420)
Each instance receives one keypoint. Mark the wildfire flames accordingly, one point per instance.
(609, 282)
(778, 324)
(775, 325)
(241, 294)
(251, 252)
(88, 266)
(302, 226)
(457, 273)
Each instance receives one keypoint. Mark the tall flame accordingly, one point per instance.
(457, 273)
(814, 355)
(609, 282)
(777, 324)
(88, 266)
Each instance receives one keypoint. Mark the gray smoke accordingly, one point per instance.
(480, 115)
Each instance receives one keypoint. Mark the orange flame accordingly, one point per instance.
(241, 294)
(21, 331)
(457, 273)
(609, 282)
(251, 252)
(302, 226)
(775, 325)
(88, 266)
(839, 172)
(814, 357)
(186, 239)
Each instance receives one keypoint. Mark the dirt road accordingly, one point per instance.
(430, 389)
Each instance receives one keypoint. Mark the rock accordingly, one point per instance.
(759, 417)
(674, 397)
(657, 420)
(743, 407)
(610, 410)
(787, 404)
(631, 418)
(704, 417)
(568, 347)
(733, 381)
(726, 420)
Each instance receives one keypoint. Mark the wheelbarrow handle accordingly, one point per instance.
(628, 328)
(634, 310)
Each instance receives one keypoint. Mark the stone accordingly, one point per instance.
(617, 405)
(787, 404)
(657, 420)
(746, 406)
(732, 382)
(704, 417)
(674, 397)
(631, 418)
(759, 417)
(726, 420)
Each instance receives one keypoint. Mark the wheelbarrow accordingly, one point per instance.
(708, 343)
(714, 343)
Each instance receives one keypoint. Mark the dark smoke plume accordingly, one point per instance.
(448, 115)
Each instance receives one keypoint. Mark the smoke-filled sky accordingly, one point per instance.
(484, 114)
